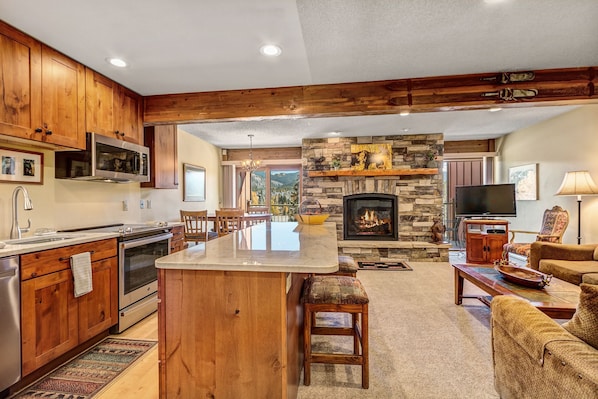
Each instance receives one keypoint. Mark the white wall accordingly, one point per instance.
(64, 204)
(565, 143)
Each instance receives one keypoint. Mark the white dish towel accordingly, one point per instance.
(81, 266)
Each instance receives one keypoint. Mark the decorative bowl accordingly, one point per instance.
(305, 218)
(523, 276)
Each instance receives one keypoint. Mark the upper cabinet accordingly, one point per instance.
(20, 79)
(43, 92)
(162, 142)
(63, 100)
(111, 109)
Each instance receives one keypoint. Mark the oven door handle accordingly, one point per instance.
(145, 240)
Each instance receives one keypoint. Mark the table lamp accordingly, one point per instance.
(578, 183)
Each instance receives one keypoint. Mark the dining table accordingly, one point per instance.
(248, 218)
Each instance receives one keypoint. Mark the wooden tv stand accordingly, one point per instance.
(484, 239)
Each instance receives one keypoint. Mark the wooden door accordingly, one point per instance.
(98, 310)
(20, 80)
(128, 115)
(99, 103)
(476, 245)
(49, 323)
(63, 100)
(495, 244)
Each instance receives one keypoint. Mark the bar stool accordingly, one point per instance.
(346, 266)
(338, 294)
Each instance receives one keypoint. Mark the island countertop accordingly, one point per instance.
(266, 247)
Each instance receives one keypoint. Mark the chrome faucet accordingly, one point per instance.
(15, 230)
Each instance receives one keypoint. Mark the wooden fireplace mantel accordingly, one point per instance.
(389, 172)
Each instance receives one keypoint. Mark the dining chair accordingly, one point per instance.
(196, 226)
(228, 220)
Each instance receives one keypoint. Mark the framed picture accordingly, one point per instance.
(21, 166)
(194, 183)
(525, 178)
(371, 156)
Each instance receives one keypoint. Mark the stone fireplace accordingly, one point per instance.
(417, 189)
(370, 216)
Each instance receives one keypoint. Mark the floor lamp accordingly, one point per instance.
(578, 183)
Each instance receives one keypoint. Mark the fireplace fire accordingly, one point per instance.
(370, 217)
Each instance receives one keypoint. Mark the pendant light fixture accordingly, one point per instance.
(250, 164)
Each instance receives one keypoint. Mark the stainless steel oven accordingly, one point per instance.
(138, 277)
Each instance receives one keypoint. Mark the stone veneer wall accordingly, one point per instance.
(419, 196)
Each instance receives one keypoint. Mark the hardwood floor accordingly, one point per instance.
(141, 379)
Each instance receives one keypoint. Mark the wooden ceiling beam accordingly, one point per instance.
(432, 94)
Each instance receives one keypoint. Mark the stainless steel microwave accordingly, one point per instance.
(104, 159)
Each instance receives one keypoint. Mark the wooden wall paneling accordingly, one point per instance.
(264, 153)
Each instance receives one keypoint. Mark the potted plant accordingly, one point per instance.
(431, 158)
(335, 163)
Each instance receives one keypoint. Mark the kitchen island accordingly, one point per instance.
(229, 313)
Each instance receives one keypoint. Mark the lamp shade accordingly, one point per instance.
(578, 183)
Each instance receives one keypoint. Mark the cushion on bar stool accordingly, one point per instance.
(337, 290)
(347, 265)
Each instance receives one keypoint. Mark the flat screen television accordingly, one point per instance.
(488, 201)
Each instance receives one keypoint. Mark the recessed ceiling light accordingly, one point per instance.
(117, 62)
(404, 113)
(495, 109)
(270, 50)
(334, 133)
(494, 1)
(405, 129)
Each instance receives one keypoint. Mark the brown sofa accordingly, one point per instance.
(535, 357)
(573, 263)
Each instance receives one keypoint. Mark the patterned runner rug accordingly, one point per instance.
(396, 266)
(86, 375)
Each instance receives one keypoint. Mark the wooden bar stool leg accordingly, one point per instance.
(365, 348)
(307, 326)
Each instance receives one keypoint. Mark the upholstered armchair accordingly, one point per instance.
(554, 224)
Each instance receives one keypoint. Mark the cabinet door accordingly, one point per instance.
(99, 103)
(49, 319)
(98, 310)
(63, 100)
(162, 141)
(475, 248)
(495, 243)
(128, 115)
(20, 80)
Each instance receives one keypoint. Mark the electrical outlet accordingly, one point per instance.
(141, 204)
(125, 205)
(148, 204)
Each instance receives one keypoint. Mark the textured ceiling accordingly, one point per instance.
(189, 45)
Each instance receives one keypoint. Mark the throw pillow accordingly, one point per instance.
(596, 253)
(584, 323)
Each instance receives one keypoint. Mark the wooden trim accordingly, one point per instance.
(391, 172)
(430, 94)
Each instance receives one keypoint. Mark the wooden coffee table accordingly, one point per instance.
(558, 299)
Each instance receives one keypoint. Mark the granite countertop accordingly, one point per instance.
(58, 240)
(266, 247)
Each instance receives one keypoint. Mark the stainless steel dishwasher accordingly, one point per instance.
(10, 320)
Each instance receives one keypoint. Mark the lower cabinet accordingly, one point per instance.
(53, 321)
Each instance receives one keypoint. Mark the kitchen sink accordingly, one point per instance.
(37, 240)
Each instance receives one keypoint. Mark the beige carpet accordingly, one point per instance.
(422, 345)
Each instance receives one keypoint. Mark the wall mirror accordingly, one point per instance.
(194, 183)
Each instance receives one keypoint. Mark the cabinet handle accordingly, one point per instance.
(65, 258)
(48, 132)
(39, 130)
(118, 133)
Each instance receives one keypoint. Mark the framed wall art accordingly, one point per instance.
(371, 156)
(21, 166)
(194, 183)
(525, 178)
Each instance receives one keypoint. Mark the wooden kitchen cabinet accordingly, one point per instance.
(484, 240)
(43, 92)
(162, 142)
(111, 109)
(53, 321)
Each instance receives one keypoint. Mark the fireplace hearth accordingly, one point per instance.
(370, 217)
